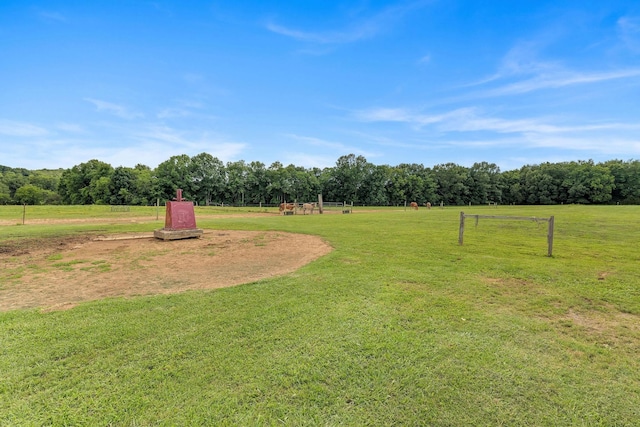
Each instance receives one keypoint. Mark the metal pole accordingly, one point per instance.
(550, 235)
(461, 231)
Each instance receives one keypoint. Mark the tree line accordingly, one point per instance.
(207, 180)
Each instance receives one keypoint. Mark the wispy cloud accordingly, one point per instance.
(193, 78)
(472, 120)
(601, 144)
(470, 127)
(169, 113)
(521, 71)
(172, 140)
(358, 30)
(310, 160)
(21, 129)
(334, 146)
(468, 120)
(115, 109)
(70, 127)
(146, 144)
(425, 59)
(523, 59)
(629, 32)
(51, 16)
(182, 108)
(402, 115)
(559, 80)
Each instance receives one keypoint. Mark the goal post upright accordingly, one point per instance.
(550, 220)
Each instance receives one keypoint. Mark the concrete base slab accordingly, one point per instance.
(165, 234)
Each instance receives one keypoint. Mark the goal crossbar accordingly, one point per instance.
(550, 220)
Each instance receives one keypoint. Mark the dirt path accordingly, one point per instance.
(60, 273)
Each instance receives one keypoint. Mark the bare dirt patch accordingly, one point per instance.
(60, 273)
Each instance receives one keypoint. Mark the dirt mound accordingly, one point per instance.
(59, 273)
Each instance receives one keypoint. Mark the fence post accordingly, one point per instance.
(461, 232)
(550, 236)
(320, 203)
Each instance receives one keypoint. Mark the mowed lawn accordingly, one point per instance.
(399, 325)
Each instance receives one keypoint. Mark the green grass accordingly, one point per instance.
(15, 213)
(399, 325)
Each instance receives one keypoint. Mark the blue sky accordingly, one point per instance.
(431, 82)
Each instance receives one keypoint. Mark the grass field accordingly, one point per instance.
(399, 325)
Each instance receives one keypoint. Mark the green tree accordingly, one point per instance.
(5, 195)
(304, 183)
(346, 178)
(511, 190)
(45, 179)
(122, 186)
(175, 173)
(396, 186)
(257, 183)
(484, 183)
(452, 183)
(29, 194)
(626, 185)
(237, 177)
(280, 187)
(586, 182)
(541, 184)
(373, 191)
(208, 175)
(86, 183)
(145, 187)
(51, 197)
(14, 179)
(416, 183)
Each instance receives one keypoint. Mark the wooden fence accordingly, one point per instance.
(549, 220)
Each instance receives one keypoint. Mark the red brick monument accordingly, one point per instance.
(180, 220)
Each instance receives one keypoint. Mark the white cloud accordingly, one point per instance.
(471, 120)
(406, 116)
(169, 113)
(21, 129)
(70, 127)
(356, 31)
(594, 143)
(193, 78)
(64, 153)
(168, 140)
(182, 108)
(307, 160)
(115, 109)
(336, 147)
(629, 32)
(520, 71)
(52, 16)
(559, 79)
(425, 59)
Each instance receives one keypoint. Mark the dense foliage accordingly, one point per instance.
(207, 180)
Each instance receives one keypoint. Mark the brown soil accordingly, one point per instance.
(60, 273)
